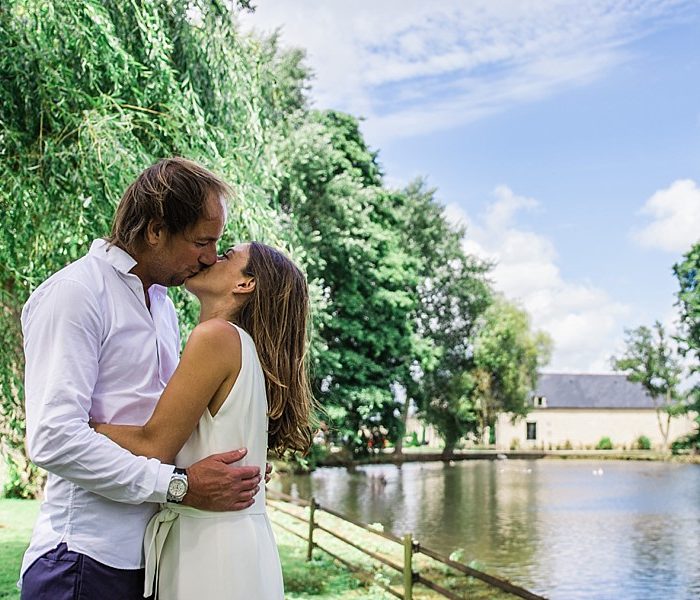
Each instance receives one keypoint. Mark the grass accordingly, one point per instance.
(320, 579)
(16, 523)
(467, 587)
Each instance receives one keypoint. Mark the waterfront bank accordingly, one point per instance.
(388, 457)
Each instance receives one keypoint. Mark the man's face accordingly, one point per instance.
(181, 255)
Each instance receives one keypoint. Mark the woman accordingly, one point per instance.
(224, 394)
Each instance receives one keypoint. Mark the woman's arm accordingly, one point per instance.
(211, 357)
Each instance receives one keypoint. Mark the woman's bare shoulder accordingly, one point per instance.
(216, 335)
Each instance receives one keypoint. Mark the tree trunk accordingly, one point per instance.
(398, 447)
(449, 449)
(664, 430)
(666, 433)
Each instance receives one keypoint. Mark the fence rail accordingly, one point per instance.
(410, 548)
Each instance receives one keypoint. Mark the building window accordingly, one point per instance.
(540, 401)
(531, 431)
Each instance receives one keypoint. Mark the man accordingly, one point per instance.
(101, 341)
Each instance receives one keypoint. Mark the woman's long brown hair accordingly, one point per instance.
(277, 318)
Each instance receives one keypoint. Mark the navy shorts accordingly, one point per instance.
(64, 575)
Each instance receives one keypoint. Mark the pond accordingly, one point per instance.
(566, 529)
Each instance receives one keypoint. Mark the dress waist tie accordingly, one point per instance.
(162, 522)
(157, 532)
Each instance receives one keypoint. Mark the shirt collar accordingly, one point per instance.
(123, 262)
(114, 255)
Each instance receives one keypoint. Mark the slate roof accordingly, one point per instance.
(568, 390)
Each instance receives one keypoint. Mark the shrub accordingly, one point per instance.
(642, 443)
(688, 444)
(317, 453)
(412, 441)
(604, 444)
(303, 464)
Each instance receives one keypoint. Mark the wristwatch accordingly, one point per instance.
(177, 488)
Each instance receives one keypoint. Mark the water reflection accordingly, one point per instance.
(567, 529)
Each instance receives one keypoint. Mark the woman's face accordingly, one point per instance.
(224, 276)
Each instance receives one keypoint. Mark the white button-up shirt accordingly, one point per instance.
(95, 351)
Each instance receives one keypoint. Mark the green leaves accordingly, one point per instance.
(344, 219)
(478, 354)
(688, 274)
(507, 356)
(650, 360)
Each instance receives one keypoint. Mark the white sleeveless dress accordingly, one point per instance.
(200, 555)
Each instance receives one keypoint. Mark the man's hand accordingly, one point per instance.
(213, 484)
(268, 472)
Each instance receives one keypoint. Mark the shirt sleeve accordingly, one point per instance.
(63, 331)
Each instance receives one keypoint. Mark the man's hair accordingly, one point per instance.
(173, 191)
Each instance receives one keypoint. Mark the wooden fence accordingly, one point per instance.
(411, 547)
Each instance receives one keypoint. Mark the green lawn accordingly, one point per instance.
(16, 522)
(319, 580)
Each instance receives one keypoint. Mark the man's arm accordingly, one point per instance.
(62, 342)
(62, 339)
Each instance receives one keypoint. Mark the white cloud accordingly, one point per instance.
(583, 320)
(675, 213)
(410, 66)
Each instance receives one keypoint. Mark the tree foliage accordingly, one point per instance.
(507, 357)
(688, 274)
(649, 359)
(347, 223)
(452, 293)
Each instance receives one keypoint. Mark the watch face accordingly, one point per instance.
(177, 488)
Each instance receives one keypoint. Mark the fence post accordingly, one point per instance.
(408, 567)
(312, 526)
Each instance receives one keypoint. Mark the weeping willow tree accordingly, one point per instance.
(91, 93)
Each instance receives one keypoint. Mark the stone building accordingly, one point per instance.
(577, 410)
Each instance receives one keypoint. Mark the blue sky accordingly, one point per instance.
(565, 135)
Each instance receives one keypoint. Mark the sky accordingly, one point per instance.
(565, 135)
